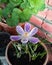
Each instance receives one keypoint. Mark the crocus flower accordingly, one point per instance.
(26, 34)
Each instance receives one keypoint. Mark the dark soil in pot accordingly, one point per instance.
(49, 63)
(4, 40)
(24, 59)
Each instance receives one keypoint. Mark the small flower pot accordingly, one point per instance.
(6, 28)
(24, 59)
(11, 30)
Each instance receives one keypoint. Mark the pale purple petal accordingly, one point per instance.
(33, 31)
(15, 38)
(34, 40)
(19, 29)
(27, 27)
(24, 40)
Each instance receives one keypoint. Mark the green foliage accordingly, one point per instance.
(0, 14)
(18, 50)
(3, 1)
(34, 5)
(30, 49)
(7, 10)
(24, 4)
(14, 19)
(25, 15)
(21, 10)
(37, 4)
(15, 2)
(9, 22)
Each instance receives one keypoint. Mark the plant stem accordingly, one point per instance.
(29, 56)
(27, 52)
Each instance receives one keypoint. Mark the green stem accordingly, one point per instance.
(29, 56)
(27, 51)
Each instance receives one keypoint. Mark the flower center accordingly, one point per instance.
(25, 34)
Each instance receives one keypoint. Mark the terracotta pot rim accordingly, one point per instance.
(6, 56)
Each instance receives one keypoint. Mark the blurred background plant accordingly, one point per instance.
(16, 11)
